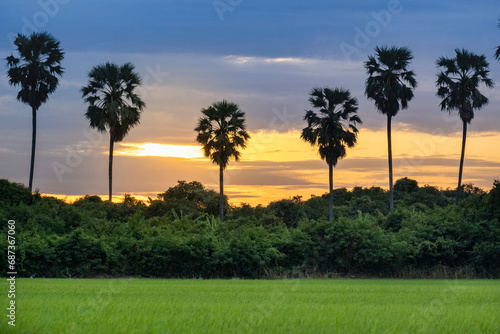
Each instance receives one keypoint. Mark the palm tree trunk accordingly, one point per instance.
(33, 144)
(389, 144)
(111, 143)
(330, 167)
(221, 194)
(464, 137)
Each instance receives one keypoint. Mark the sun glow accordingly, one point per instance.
(277, 165)
(161, 150)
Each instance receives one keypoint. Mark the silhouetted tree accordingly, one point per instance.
(191, 197)
(458, 86)
(35, 70)
(406, 185)
(221, 131)
(390, 84)
(333, 128)
(113, 103)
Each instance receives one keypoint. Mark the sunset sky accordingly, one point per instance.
(266, 56)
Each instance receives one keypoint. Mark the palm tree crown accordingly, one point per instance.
(35, 70)
(390, 84)
(37, 67)
(458, 83)
(221, 131)
(333, 127)
(113, 103)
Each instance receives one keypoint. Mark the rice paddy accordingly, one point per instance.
(254, 306)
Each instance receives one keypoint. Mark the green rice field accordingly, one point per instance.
(253, 306)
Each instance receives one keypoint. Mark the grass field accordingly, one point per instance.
(248, 306)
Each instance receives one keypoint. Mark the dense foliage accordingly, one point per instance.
(179, 235)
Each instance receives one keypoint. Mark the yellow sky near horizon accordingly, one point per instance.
(287, 146)
(280, 165)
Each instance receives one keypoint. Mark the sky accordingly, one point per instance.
(266, 56)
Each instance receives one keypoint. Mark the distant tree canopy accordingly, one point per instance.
(187, 198)
(406, 185)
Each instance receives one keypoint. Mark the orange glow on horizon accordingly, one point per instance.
(278, 165)
(115, 199)
(161, 150)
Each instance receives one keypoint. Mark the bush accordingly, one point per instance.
(12, 194)
(37, 255)
(289, 211)
(348, 245)
(246, 252)
(192, 198)
(493, 202)
(80, 255)
(317, 208)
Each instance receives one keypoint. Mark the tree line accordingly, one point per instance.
(178, 234)
(115, 107)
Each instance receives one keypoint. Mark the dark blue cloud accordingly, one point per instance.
(249, 27)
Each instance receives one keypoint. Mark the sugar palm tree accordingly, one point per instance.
(333, 127)
(221, 131)
(114, 105)
(458, 85)
(390, 85)
(35, 70)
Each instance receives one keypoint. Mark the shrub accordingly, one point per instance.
(192, 197)
(246, 252)
(12, 194)
(80, 255)
(289, 211)
(348, 245)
